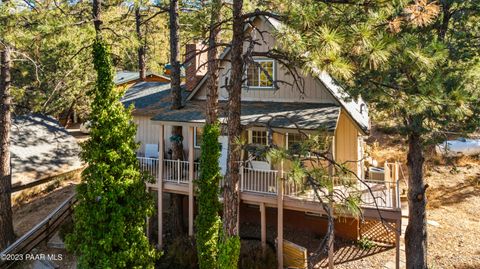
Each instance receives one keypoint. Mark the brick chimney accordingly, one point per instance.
(196, 68)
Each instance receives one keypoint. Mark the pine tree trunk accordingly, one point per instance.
(230, 194)
(176, 212)
(212, 83)
(97, 5)
(141, 47)
(416, 233)
(6, 225)
(176, 99)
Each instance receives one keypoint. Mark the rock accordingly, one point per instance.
(433, 223)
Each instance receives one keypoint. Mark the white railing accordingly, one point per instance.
(381, 194)
(175, 171)
(373, 193)
(260, 181)
(149, 165)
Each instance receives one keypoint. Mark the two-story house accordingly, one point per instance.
(321, 105)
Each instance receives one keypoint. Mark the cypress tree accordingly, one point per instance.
(113, 204)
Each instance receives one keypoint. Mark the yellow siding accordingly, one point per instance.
(346, 141)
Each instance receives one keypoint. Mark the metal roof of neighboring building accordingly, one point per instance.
(306, 116)
(41, 147)
(122, 77)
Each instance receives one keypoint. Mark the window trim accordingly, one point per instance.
(250, 135)
(195, 142)
(274, 74)
(286, 141)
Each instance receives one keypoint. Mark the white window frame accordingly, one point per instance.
(274, 74)
(250, 136)
(286, 141)
(195, 141)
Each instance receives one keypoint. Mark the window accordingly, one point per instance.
(259, 137)
(197, 138)
(294, 140)
(256, 77)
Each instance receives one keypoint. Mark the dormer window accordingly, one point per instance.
(256, 74)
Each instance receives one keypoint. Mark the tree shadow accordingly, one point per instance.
(448, 195)
(40, 147)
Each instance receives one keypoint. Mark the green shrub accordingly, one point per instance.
(229, 252)
(366, 243)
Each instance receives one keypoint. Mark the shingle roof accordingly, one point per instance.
(148, 98)
(307, 116)
(41, 147)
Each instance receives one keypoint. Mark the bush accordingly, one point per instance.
(229, 252)
(365, 243)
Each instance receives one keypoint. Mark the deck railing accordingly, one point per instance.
(259, 181)
(174, 171)
(373, 193)
(149, 165)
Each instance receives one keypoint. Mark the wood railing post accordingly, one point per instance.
(159, 188)
(263, 225)
(242, 176)
(178, 171)
(280, 217)
(190, 181)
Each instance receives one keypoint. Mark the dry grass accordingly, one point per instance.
(453, 202)
(25, 196)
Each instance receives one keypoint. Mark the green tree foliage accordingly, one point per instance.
(412, 59)
(208, 221)
(113, 204)
(229, 253)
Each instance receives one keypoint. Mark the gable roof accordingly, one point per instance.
(41, 147)
(148, 98)
(357, 110)
(122, 77)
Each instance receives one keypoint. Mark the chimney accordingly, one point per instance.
(196, 67)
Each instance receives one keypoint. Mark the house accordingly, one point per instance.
(264, 200)
(40, 148)
(127, 78)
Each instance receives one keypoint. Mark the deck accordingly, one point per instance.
(262, 186)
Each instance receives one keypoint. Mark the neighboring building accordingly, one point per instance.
(40, 148)
(126, 78)
(323, 105)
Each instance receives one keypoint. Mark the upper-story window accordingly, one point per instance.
(256, 73)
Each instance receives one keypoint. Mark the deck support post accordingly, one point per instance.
(280, 217)
(190, 180)
(159, 187)
(147, 219)
(263, 225)
(398, 232)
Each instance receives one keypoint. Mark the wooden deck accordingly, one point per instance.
(379, 199)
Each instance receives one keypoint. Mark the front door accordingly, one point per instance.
(223, 140)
